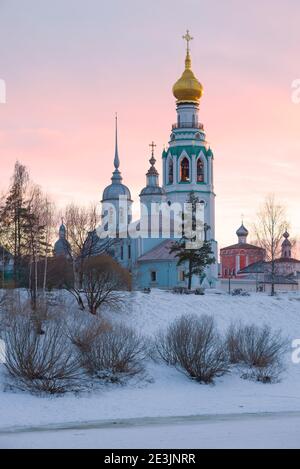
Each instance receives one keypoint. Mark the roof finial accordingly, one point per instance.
(117, 160)
(152, 159)
(187, 37)
(152, 171)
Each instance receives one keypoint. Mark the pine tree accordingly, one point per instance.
(13, 215)
(198, 258)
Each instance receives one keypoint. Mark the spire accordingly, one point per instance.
(152, 184)
(117, 160)
(116, 177)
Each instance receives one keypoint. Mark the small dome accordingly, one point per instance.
(113, 191)
(62, 248)
(188, 88)
(242, 231)
(153, 190)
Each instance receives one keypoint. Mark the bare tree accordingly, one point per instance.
(35, 237)
(81, 223)
(269, 228)
(103, 279)
(48, 219)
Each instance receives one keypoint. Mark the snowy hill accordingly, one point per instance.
(165, 391)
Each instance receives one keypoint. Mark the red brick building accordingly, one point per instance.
(238, 256)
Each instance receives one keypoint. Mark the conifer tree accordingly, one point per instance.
(197, 258)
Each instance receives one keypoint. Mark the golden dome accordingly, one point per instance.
(188, 88)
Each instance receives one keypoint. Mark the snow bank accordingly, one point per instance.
(166, 392)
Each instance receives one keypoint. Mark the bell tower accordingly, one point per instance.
(188, 160)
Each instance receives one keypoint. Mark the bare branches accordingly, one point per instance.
(258, 348)
(103, 279)
(193, 345)
(116, 353)
(269, 228)
(41, 363)
(80, 221)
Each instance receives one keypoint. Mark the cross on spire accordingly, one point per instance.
(188, 38)
(152, 146)
(152, 160)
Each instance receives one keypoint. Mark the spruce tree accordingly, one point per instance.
(198, 258)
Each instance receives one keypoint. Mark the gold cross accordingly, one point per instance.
(187, 37)
(152, 145)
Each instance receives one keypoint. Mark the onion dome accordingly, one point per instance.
(286, 241)
(62, 246)
(188, 89)
(286, 246)
(242, 231)
(242, 234)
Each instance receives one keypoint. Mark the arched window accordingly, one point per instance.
(170, 171)
(184, 170)
(200, 170)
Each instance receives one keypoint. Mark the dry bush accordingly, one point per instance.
(259, 348)
(193, 345)
(83, 329)
(41, 363)
(233, 341)
(116, 353)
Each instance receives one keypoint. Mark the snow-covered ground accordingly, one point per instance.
(165, 391)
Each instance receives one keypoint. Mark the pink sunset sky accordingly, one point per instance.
(69, 65)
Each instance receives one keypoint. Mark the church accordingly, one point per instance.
(187, 168)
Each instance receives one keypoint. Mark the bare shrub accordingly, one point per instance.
(193, 345)
(83, 330)
(102, 281)
(41, 363)
(116, 353)
(233, 342)
(259, 348)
